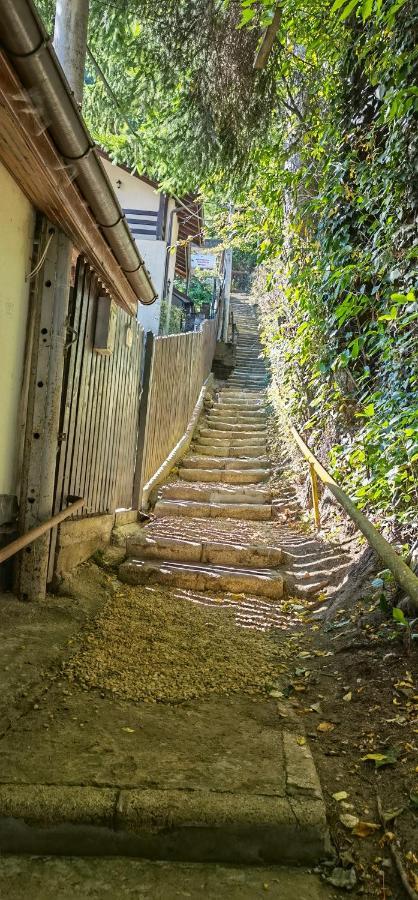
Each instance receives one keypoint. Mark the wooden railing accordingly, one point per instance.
(174, 371)
(404, 576)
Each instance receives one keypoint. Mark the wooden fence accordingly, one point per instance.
(100, 406)
(175, 368)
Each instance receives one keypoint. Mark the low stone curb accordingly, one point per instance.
(183, 825)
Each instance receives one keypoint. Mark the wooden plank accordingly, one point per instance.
(43, 412)
(85, 376)
(143, 419)
(80, 323)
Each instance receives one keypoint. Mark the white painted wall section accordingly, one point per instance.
(133, 193)
(16, 237)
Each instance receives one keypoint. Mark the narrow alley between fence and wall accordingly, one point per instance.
(161, 737)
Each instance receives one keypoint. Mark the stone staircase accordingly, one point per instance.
(215, 526)
(222, 478)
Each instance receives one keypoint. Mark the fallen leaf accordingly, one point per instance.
(381, 759)
(348, 821)
(301, 741)
(325, 726)
(316, 707)
(340, 795)
(128, 730)
(392, 814)
(365, 829)
(347, 697)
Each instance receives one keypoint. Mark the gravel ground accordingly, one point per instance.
(155, 646)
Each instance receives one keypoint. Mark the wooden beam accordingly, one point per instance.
(143, 418)
(50, 301)
(30, 156)
(267, 41)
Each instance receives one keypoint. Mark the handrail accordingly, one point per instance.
(399, 568)
(24, 539)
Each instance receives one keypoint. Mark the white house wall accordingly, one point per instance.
(16, 237)
(133, 193)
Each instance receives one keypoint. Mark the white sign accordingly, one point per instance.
(203, 260)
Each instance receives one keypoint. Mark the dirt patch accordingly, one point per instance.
(152, 645)
(354, 688)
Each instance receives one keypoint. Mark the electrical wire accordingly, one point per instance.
(41, 261)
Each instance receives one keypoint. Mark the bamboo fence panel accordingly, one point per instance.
(180, 365)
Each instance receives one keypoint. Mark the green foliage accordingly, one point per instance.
(319, 155)
(339, 293)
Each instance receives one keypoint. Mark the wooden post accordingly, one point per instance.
(315, 501)
(50, 299)
(142, 427)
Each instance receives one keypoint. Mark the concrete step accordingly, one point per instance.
(240, 418)
(232, 450)
(200, 577)
(238, 442)
(192, 509)
(104, 878)
(224, 462)
(253, 556)
(215, 495)
(218, 424)
(226, 476)
(247, 379)
(230, 433)
(240, 406)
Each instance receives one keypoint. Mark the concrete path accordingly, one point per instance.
(112, 879)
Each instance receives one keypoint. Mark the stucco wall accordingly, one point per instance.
(153, 253)
(16, 235)
(133, 193)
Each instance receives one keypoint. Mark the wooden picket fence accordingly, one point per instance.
(176, 367)
(100, 406)
(121, 414)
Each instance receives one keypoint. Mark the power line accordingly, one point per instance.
(110, 91)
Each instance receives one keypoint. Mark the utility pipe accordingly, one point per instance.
(21, 542)
(391, 559)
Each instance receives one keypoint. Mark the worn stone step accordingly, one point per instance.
(232, 449)
(192, 509)
(230, 433)
(240, 406)
(201, 577)
(240, 418)
(217, 424)
(214, 552)
(224, 462)
(250, 369)
(227, 476)
(236, 441)
(215, 495)
(250, 378)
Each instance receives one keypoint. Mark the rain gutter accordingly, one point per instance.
(26, 42)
